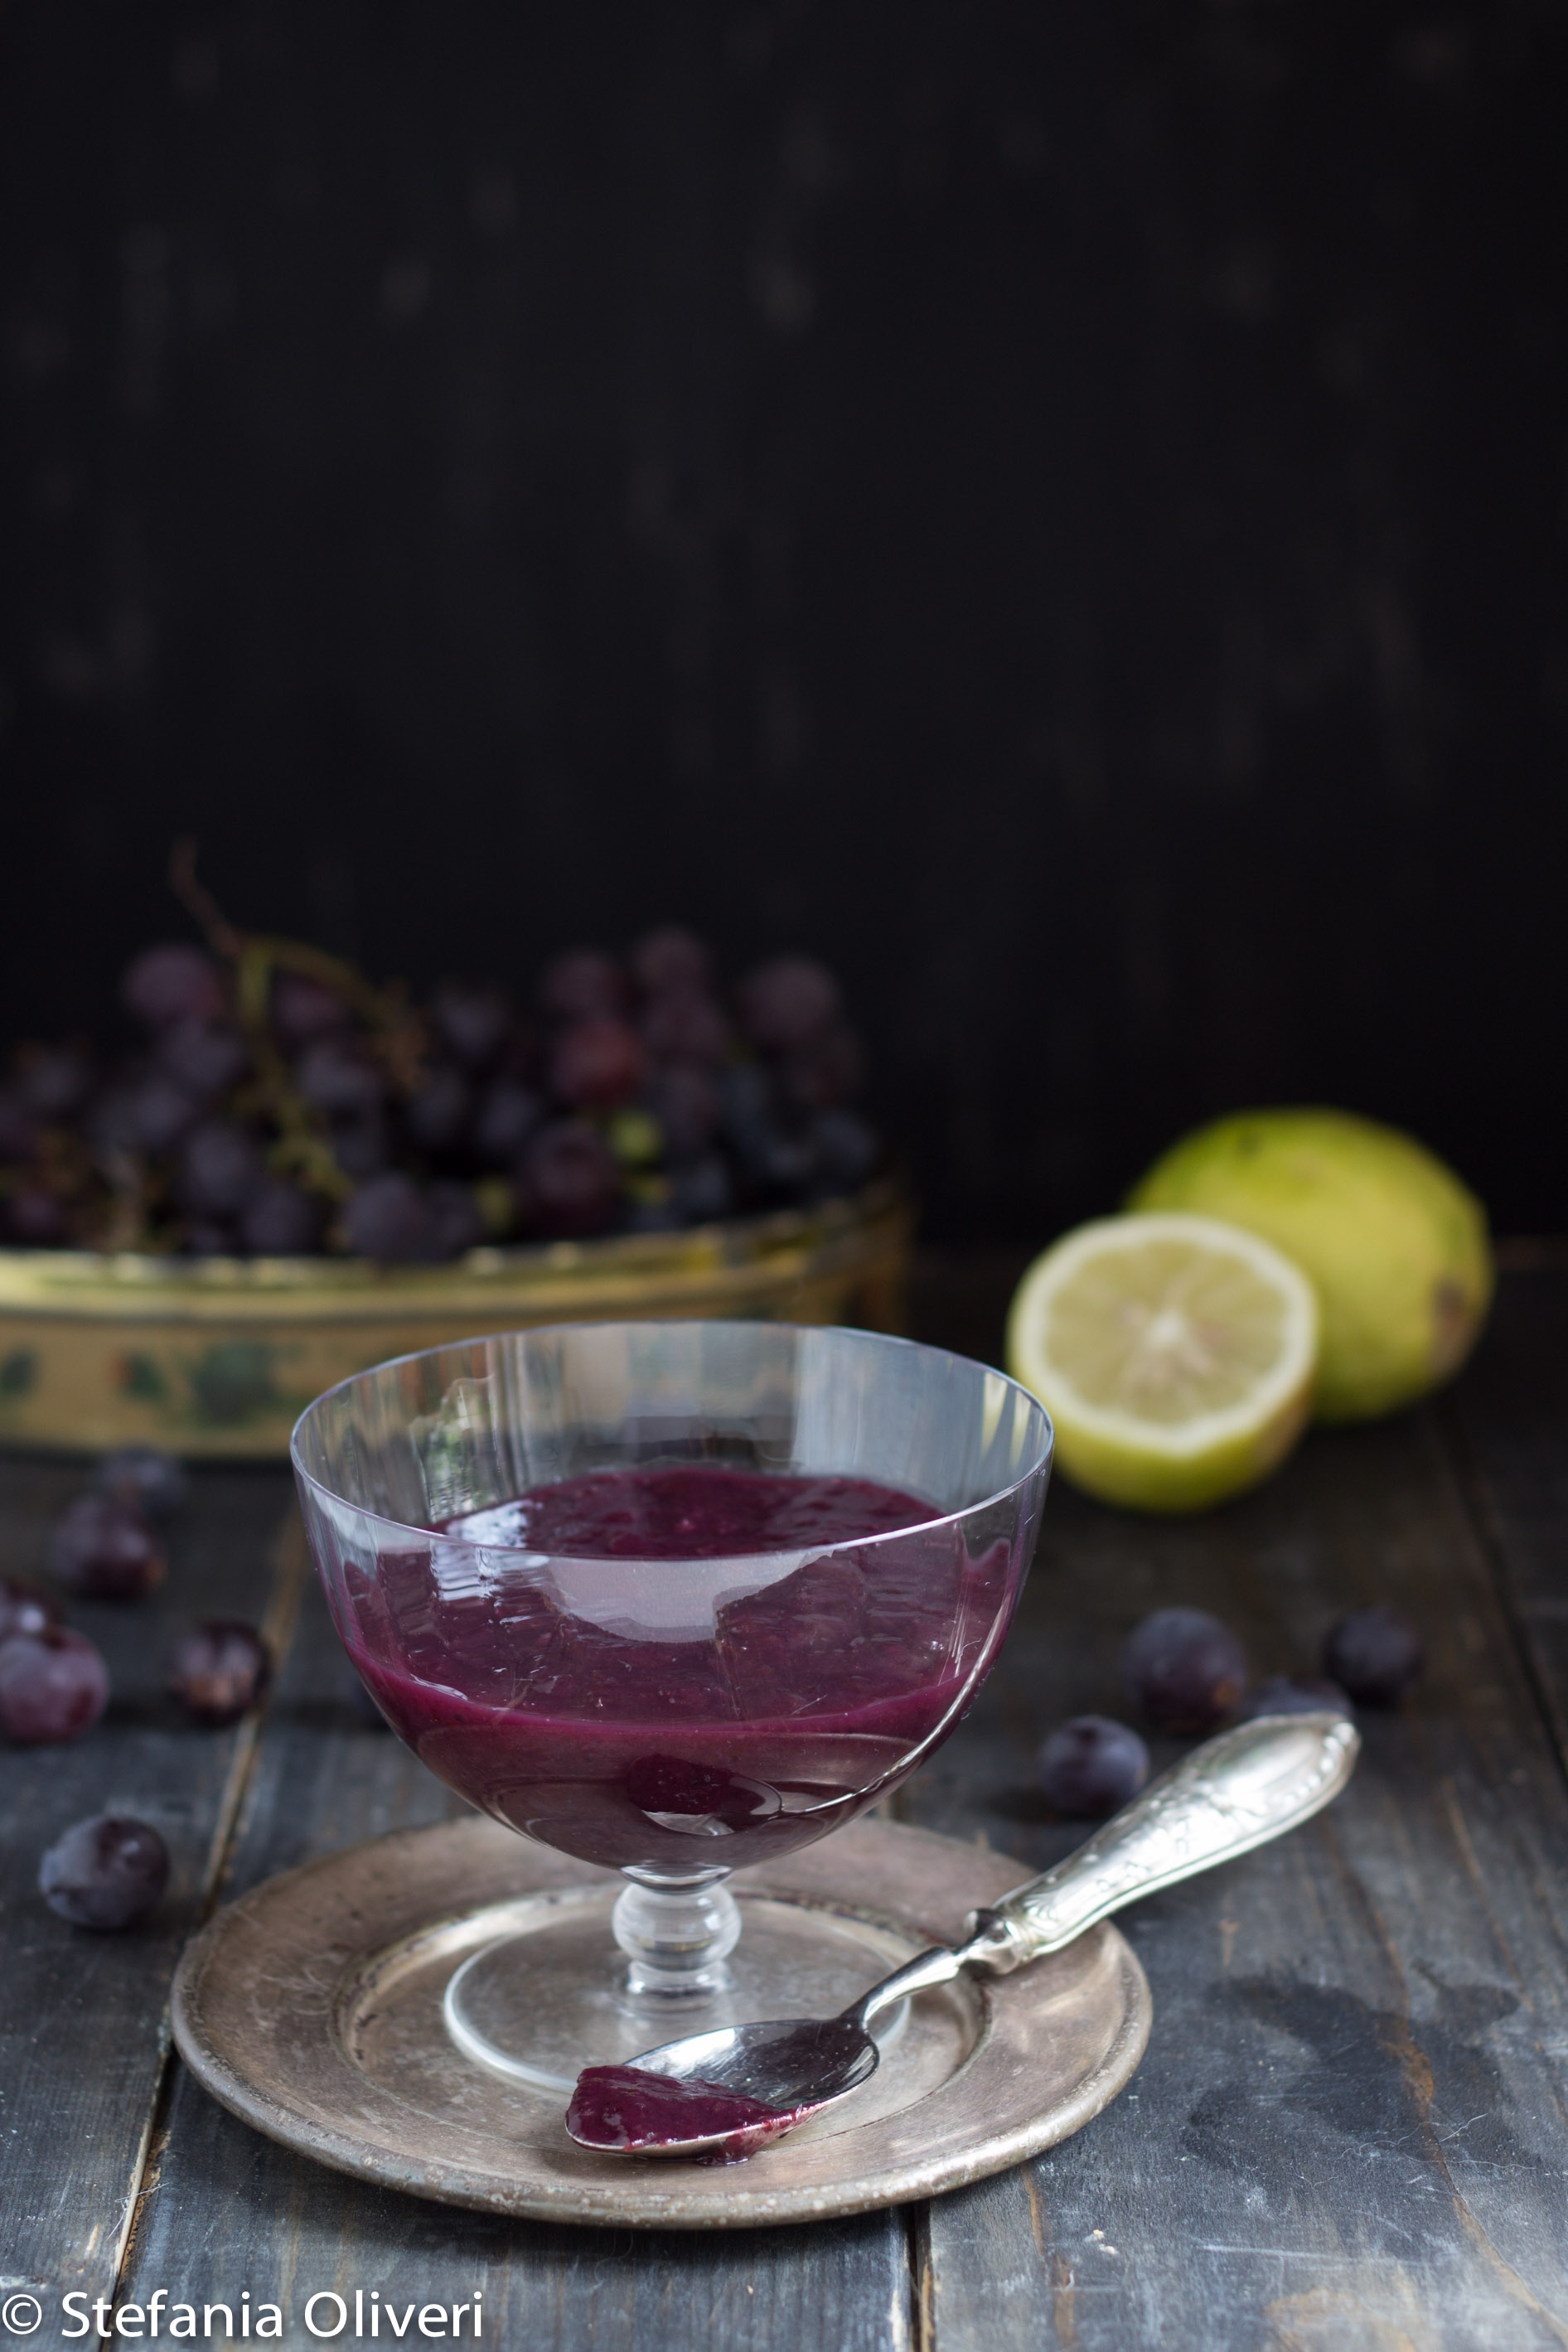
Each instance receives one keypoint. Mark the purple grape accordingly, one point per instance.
(437, 1116)
(824, 1074)
(520, 1055)
(142, 1114)
(211, 1238)
(304, 1009)
(653, 1217)
(701, 1191)
(104, 1548)
(1091, 1765)
(219, 1670)
(457, 1221)
(18, 1126)
(779, 1160)
(36, 1217)
(220, 1169)
(360, 1145)
(507, 1114)
(787, 1003)
(685, 1102)
(595, 1065)
(53, 1686)
(55, 1080)
(569, 1181)
(151, 1481)
(106, 1873)
(1294, 1695)
(776, 1158)
(848, 1149)
(1374, 1654)
(671, 959)
(167, 984)
(1184, 1671)
(685, 1026)
(746, 1091)
(204, 1057)
(582, 985)
(281, 1221)
(389, 1219)
(24, 1608)
(336, 1079)
(472, 1022)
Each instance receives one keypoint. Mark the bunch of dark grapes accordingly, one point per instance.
(275, 1104)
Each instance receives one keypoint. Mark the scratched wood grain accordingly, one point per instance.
(1349, 2130)
(82, 2023)
(224, 2204)
(1350, 2126)
(1508, 1420)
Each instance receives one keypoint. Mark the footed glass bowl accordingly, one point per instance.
(672, 1598)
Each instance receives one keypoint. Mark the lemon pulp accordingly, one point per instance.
(1174, 1353)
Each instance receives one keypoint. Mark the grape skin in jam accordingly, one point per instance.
(533, 1656)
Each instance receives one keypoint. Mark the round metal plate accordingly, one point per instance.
(312, 2009)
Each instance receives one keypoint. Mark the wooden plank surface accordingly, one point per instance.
(223, 2204)
(83, 2025)
(1508, 1423)
(1351, 2126)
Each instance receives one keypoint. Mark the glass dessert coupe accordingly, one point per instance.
(673, 1599)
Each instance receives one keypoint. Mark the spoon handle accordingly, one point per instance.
(1233, 1793)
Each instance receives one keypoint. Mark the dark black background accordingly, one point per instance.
(1059, 507)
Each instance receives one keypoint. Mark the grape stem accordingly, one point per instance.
(199, 902)
(127, 1179)
(254, 957)
(255, 954)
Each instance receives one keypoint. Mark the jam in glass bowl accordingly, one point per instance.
(673, 1599)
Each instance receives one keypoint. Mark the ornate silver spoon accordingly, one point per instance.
(730, 2092)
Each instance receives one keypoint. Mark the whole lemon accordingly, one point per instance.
(1394, 1243)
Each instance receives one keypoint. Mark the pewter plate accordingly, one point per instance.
(312, 2009)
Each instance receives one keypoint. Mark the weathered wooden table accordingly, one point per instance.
(1351, 2127)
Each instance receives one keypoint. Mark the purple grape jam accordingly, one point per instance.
(689, 1514)
(632, 2110)
(533, 1656)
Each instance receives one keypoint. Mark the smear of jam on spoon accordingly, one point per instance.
(632, 2112)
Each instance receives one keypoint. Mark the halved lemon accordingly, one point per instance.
(1174, 1353)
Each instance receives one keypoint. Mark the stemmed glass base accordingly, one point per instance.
(539, 2006)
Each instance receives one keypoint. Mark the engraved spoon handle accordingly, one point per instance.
(1231, 1794)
